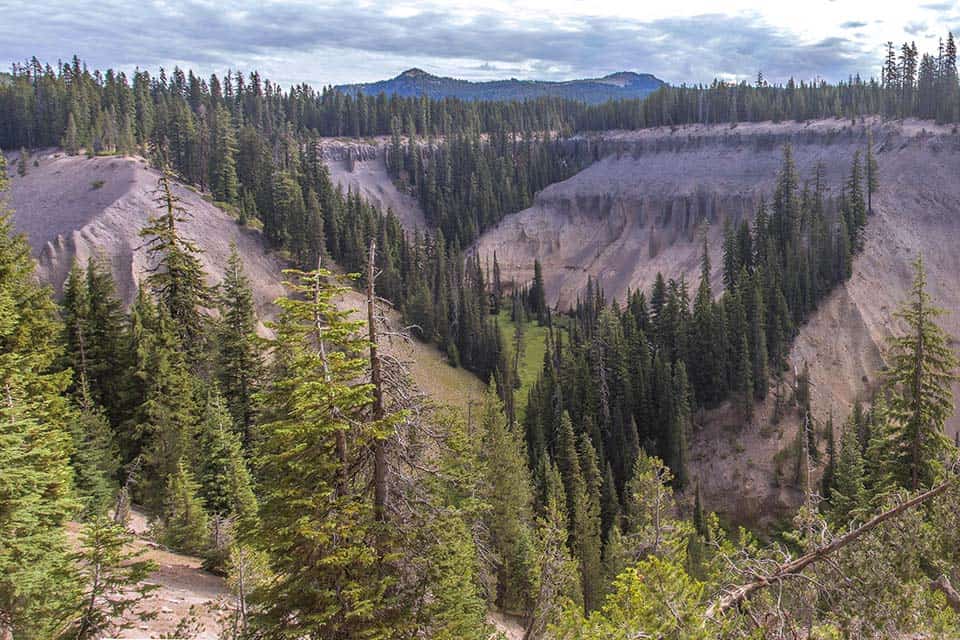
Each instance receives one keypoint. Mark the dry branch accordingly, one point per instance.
(793, 567)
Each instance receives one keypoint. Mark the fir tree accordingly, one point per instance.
(589, 534)
(114, 582)
(184, 524)
(176, 277)
(38, 583)
(920, 376)
(239, 357)
(508, 492)
(848, 495)
(319, 538)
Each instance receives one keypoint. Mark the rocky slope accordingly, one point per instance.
(72, 207)
(360, 167)
(639, 211)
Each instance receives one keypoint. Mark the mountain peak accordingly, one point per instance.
(414, 72)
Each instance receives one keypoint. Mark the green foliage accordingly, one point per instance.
(95, 459)
(176, 277)
(848, 493)
(225, 485)
(320, 540)
(508, 492)
(184, 524)
(922, 368)
(240, 363)
(113, 577)
(37, 580)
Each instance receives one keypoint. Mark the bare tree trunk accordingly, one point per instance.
(379, 446)
(738, 594)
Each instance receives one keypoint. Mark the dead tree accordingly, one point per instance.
(379, 446)
(793, 568)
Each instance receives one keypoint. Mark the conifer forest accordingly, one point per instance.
(737, 422)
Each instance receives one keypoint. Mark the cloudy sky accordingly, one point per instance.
(324, 42)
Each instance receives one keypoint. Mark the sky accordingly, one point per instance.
(321, 42)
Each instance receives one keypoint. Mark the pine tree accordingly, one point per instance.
(165, 422)
(107, 343)
(225, 483)
(538, 294)
(240, 364)
(848, 495)
(318, 535)
(922, 366)
(184, 524)
(176, 277)
(508, 491)
(95, 459)
(872, 177)
(38, 582)
(557, 579)
(223, 164)
(589, 534)
(114, 582)
(70, 143)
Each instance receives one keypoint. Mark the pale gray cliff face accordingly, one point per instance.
(641, 208)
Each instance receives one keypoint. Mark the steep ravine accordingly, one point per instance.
(640, 209)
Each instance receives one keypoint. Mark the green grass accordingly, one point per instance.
(531, 362)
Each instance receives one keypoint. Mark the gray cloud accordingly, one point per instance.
(323, 42)
(853, 24)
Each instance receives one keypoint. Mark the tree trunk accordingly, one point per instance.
(943, 585)
(379, 446)
(789, 569)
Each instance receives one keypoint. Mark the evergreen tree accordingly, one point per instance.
(114, 582)
(70, 143)
(184, 523)
(872, 177)
(223, 164)
(509, 494)
(589, 534)
(848, 495)
(320, 539)
(921, 372)
(239, 356)
(176, 277)
(225, 484)
(165, 421)
(38, 582)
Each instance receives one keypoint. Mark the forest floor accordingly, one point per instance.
(184, 590)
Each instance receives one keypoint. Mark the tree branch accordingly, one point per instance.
(790, 568)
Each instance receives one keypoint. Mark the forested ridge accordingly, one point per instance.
(307, 468)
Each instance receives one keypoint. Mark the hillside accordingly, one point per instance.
(71, 207)
(639, 210)
(360, 167)
(416, 82)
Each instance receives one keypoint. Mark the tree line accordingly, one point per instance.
(928, 90)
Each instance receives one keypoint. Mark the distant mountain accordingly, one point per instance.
(417, 82)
